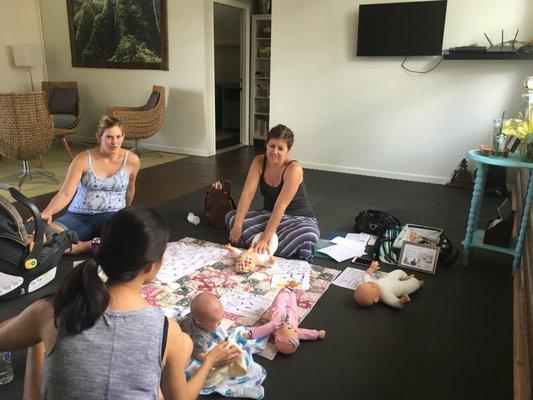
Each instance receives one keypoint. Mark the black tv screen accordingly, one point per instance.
(401, 29)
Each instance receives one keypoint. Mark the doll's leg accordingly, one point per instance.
(410, 285)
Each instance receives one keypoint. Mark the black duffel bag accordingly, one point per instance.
(375, 222)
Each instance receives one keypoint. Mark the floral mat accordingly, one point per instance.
(218, 276)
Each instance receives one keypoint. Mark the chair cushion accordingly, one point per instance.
(63, 120)
(63, 101)
(152, 101)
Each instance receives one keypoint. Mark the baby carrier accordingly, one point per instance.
(27, 264)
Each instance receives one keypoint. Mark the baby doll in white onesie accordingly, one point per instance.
(393, 289)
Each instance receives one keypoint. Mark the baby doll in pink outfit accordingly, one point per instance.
(283, 315)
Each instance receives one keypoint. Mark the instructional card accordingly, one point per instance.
(349, 278)
(182, 260)
(245, 304)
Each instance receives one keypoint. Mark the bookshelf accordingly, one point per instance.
(260, 76)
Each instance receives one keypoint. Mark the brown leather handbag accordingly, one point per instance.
(218, 202)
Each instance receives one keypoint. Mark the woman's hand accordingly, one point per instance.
(261, 246)
(222, 354)
(46, 217)
(235, 233)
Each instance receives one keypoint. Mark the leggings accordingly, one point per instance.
(297, 235)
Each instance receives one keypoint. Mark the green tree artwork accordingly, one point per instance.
(118, 33)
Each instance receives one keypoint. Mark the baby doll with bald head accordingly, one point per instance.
(393, 289)
(202, 323)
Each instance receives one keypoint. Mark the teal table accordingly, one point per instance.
(474, 238)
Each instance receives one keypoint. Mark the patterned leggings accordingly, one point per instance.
(297, 235)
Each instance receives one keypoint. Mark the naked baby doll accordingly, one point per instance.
(202, 324)
(247, 260)
(283, 315)
(393, 289)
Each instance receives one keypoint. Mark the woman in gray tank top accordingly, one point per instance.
(286, 208)
(103, 340)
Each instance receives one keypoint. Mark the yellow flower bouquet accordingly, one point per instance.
(515, 127)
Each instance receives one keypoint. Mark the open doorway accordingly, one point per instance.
(230, 74)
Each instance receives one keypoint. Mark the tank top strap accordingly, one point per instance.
(89, 159)
(125, 159)
(285, 169)
(264, 165)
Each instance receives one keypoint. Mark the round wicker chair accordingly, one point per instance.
(141, 122)
(26, 132)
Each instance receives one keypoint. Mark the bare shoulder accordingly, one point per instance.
(134, 162)
(81, 159)
(294, 169)
(257, 162)
(41, 310)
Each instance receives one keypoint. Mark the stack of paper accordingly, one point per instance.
(353, 245)
(286, 271)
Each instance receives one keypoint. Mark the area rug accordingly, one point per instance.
(56, 161)
(218, 276)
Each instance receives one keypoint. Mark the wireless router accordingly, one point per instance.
(503, 47)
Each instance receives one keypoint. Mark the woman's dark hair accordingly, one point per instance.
(133, 238)
(107, 122)
(281, 132)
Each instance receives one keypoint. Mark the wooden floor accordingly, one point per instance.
(161, 183)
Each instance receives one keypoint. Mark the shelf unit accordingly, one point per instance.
(260, 76)
(487, 56)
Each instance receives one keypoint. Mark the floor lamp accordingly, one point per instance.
(27, 55)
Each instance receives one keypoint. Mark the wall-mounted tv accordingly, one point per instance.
(401, 29)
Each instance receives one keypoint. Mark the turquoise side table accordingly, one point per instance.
(474, 238)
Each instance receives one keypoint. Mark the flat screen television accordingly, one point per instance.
(401, 29)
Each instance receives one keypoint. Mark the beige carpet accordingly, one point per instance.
(56, 161)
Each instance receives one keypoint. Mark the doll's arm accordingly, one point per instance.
(374, 266)
(310, 334)
(263, 330)
(232, 249)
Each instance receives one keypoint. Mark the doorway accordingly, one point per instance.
(230, 74)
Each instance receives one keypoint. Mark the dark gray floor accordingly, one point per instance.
(453, 341)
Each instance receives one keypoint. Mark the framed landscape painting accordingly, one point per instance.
(118, 33)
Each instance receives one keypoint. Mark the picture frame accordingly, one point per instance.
(419, 257)
(134, 37)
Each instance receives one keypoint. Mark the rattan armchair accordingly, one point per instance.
(63, 123)
(26, 132)
(141, 122)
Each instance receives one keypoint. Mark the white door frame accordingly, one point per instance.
(210, 72)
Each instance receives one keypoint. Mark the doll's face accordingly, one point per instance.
(367, 294)
(286, 339)
(245, 263)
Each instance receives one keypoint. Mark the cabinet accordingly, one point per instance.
(260, 76)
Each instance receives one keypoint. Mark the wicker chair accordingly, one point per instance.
(141, 122)
(26, 132)
(63, 123)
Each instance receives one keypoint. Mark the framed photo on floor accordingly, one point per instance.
(419, 257)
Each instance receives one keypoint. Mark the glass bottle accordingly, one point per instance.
(6, 369)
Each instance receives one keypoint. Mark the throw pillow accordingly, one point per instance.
(152, 101)
(63, 101)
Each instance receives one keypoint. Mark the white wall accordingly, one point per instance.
(369, 116)
(189, 120)
(19, 24)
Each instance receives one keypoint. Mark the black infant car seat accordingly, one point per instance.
(26, 265)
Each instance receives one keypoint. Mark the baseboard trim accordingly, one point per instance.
(376, 172)
(151, 146)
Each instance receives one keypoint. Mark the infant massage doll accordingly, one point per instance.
(393, 289)
(283, 315)
(247, 260)
(202, 324)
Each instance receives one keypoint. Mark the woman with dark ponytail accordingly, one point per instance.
(98, 337)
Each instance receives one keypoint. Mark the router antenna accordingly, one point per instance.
(502, 41)
(515, 36)
(488, 39)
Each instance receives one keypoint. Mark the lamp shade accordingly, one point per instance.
(27, 55)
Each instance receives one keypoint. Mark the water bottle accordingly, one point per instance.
(6, 369)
